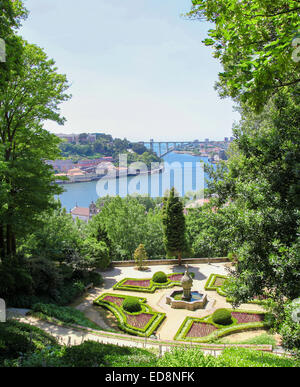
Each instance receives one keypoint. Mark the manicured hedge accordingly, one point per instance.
(152, 319)
(220, 330)
(149, 286)
(160, 277)
(131, 304)
(222, 316)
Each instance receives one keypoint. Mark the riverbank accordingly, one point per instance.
(113, 175)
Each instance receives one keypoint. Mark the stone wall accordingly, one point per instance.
(171, 261)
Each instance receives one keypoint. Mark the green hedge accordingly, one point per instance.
(221, 330)
(119, 313)
(131, 304)
(153, 285)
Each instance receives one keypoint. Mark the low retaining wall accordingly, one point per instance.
(184, 261)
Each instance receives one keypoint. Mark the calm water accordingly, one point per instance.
(183, 171)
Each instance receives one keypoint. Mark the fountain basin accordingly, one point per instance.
(197, 301)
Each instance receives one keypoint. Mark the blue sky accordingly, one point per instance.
(138, 68)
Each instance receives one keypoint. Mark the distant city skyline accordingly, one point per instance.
(137, 69)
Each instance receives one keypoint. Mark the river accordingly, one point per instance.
(182, 170)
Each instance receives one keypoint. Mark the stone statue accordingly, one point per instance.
(2, 311)
(187, 283)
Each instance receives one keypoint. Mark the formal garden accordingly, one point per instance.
(76, 291)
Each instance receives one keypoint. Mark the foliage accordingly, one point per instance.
(65, 314)
(14, 278)
(96, 253)
(290, 329)
(253, 41)
(18, 338)
(222, 316)
(143, 323)
(47, 279)
(263, 339)
(159, 277)
(140, 255)
(107, 146)
(28, 99)
(207, 231)
(59, 239)
(230, 357)
(192, 357)
(131, 304)
(127, 224)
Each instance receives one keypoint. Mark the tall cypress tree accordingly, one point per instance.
(174, 225)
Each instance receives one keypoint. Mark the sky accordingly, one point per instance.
(137, 68)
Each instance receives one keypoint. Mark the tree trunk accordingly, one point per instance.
(8, 240)
(2, 245)
(179, 258)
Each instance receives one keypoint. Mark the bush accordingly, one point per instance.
(17, 338)
(46, 276)
(160, 277)
(222, 317)
(93, 354)
(131, 304)
(230, 357)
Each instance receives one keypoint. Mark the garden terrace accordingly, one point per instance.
(205, 330)
(142, 323)
(147, 285)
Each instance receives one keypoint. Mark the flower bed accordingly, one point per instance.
(200, 329)
(205, 330)
(141, 283)
(147, 285)
(143, 323)
(242, 317)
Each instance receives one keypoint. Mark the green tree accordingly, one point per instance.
(174, 226)
(140, 255)
(96, 253)
(27, 183)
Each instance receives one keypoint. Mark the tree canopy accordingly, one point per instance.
(253, 41)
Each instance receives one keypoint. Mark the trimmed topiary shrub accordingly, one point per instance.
(131, 305)
(160, 277)
(222, 317)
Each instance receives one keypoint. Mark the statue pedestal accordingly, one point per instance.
(2, 311)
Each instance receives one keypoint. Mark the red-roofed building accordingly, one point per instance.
(84, 213)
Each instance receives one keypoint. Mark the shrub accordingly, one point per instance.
(222, 317)
(131, 304)
(140, 255)
(93, 354)
(46, 276)
(159, 277)
(17, 338)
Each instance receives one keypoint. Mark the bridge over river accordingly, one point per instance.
(161, 148)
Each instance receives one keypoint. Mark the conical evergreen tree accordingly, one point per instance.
(174, 225)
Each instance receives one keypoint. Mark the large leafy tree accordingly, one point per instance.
(261, 181)
(253, 41)
(27, 99)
